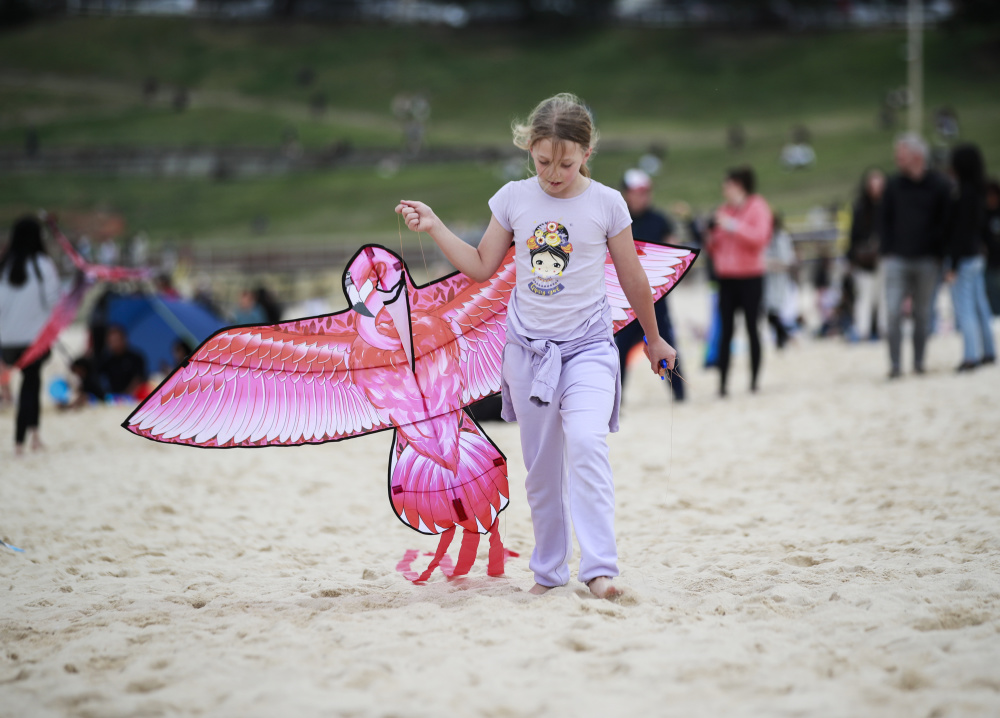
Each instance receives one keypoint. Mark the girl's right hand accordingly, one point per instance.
(417, 215)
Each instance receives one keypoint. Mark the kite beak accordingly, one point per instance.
(357, 301)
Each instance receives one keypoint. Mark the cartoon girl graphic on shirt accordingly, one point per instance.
(550, 250)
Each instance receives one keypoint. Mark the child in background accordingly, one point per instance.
(560, 374)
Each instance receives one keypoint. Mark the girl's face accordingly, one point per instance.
(557, 165)
(547, 265)
(733, 192)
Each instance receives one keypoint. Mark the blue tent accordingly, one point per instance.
(154, 323)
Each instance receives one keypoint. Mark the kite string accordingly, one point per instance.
(399, 228)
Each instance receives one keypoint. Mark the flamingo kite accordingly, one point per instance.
(403, 357)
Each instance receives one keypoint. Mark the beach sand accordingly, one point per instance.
(827, 547)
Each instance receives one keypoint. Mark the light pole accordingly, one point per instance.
(915, 63)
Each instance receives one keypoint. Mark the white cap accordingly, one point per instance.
(636, 179)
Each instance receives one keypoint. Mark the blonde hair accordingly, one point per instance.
(560, 118)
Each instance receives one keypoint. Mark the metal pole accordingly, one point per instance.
(915, 64)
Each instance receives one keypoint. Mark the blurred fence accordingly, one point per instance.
(223, 162)
(792, 14)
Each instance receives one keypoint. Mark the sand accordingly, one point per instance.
(827, 547)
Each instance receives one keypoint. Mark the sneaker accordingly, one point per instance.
(966, 366)
(895, 373)
(989, 359)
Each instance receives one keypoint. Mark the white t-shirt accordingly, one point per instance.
(561, 245)
(25, 309)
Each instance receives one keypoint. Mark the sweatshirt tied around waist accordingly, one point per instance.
(547, 357)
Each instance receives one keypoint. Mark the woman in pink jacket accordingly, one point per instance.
(740, 231)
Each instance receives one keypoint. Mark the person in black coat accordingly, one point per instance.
(649, 225)
(914, 225)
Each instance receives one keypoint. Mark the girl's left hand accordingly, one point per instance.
(657, 349)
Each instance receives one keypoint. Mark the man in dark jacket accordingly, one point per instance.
(650, 225)
(914, 226)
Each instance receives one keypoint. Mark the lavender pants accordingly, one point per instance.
(564, 442)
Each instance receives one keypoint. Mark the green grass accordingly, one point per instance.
(77, 81)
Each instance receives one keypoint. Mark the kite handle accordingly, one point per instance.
(663, 362)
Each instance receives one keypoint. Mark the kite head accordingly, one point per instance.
(374, 279)
(373, 282)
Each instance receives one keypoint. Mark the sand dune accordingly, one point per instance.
(828, 547)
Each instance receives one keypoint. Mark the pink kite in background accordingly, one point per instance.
(68, 306)
(96, 272)
(402, 357)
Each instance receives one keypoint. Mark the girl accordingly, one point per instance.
(29, 290)
(741, 230)
(863, 255)
(965, 262)
(560, 367)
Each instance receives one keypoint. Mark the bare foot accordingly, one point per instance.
(18, 449)
(36, 443)
(602, 587)
(538, 589)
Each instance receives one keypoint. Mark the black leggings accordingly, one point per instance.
(745, 294)
(29, 400)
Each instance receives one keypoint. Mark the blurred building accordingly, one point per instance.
(791, 14)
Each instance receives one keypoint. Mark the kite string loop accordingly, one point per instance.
(399, 228)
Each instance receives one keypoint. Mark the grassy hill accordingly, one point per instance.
(78, 82)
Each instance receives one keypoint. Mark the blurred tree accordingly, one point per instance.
(15, 12)
(977, 11)
(284, 8)
(550, 12)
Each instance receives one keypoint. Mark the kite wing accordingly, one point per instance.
(664, 265)
(283, 384)
(477, 314)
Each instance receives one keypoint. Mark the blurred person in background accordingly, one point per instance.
(648, 225)
(122, 371)
(88, 385)
(248, 310)
(164, 285)
(698, 231)
(914, 224)
(29, 291)
(779, 259)
(863, 256)
(6, 397)
(204, 296)
(268, 303)
(965, 261)
(992, 237)
(738, 237)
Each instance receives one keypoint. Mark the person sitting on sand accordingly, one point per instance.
(88, 386)
(123, 370)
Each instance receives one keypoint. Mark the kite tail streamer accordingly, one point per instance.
(440, 557)
(466, 556)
